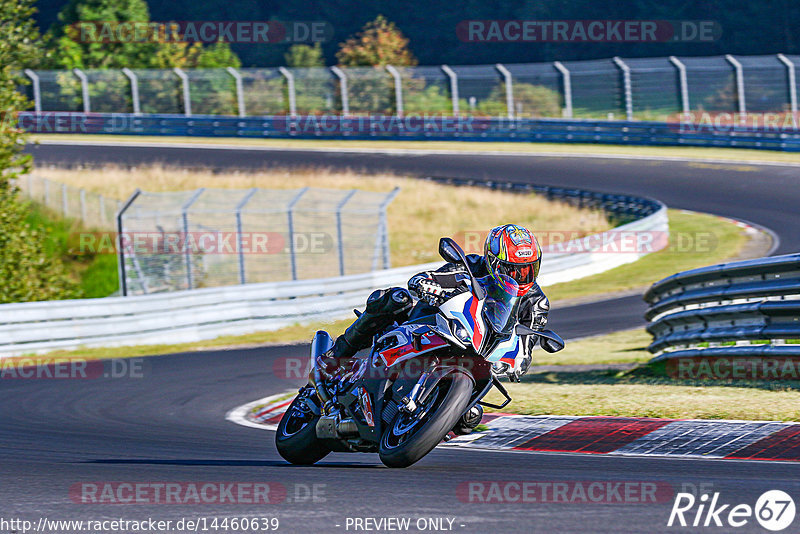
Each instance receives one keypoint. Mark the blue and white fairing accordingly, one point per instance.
(488, 323)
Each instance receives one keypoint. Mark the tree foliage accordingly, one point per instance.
(379, 43)
(73, 43)
(303, 56)
(26, 270)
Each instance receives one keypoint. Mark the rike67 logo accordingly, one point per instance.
(774, 510)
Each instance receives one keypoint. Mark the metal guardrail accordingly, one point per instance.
(187, 316)
(744, 308)
(394, 128)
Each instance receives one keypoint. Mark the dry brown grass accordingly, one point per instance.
(418, 217)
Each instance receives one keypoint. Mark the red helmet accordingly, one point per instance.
(513, 251)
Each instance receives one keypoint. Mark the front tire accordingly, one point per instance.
(405, 440)
(296, 438)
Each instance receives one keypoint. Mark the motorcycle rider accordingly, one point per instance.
(509, 250)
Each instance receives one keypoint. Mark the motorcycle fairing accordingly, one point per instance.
(401, 348)
(466, 310)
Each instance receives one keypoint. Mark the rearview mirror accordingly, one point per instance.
(449, 251)
(548, 340)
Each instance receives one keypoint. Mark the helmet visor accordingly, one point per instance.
(522, 273)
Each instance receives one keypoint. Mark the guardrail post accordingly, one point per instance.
(46, 192)
(339, 207)
(102, 201)
(509, 89)
(187, 100)
(453, 87)
(343, 89)
(237, 78)
(290, 90)
(64, 200)
(123, 282)
(187, 257)
(239, 207)
(626, 85)
(398, 90)
(290, 220)
(683, 82)
(791, 75)
(567, 81)
(84, 89)
(37, 90)
(739, 82)
(134, 90)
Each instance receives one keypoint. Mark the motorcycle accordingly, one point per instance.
(418, 379)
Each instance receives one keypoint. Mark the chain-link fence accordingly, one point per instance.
(91, 209)
(643, 88)
(222, 237)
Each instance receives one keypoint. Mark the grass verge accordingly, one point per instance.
(696, 240)
(627, 346)
(420, 214)
(96, 273)
(730, 154)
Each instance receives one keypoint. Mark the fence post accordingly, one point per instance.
(339, 207)
(102, 202)
(239, 207)
(83, 205)
(453, 87)
(398, 89)
(64, 200)
(123, 282)
(791, 74)
(187, 99)
(187, 257)
(46, 192)
(739, 82)
(509, 89)
(134, 90)
(290, 89)
(626, 85)
(239, 90)
(30, 185)
(290, 213)
(384, 225)
(84, 89)
(567, 81)
(37, 90)
(683, 81)
(343, 89)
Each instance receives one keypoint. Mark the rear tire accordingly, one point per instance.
(296, 438)
(401, 449)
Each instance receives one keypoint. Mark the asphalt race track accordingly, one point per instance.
(166, 423)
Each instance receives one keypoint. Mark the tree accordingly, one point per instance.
(379, 43)
(26, 271)
(304, 56)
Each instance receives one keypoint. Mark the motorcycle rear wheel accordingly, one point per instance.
(405, 440)
(296, 438)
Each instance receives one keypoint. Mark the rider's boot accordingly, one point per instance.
(467, 423)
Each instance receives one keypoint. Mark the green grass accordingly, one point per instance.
(696, 240)
(96, 273)
(731, 154)
(627, 346)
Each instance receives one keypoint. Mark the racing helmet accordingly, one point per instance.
(513, 251)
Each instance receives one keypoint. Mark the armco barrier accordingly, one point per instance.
(186, 316)
(744, 308)
(413, 129)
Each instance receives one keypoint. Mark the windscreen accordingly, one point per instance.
(500, 306)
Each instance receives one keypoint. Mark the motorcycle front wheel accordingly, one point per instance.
(407, 439)
(296, 438)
